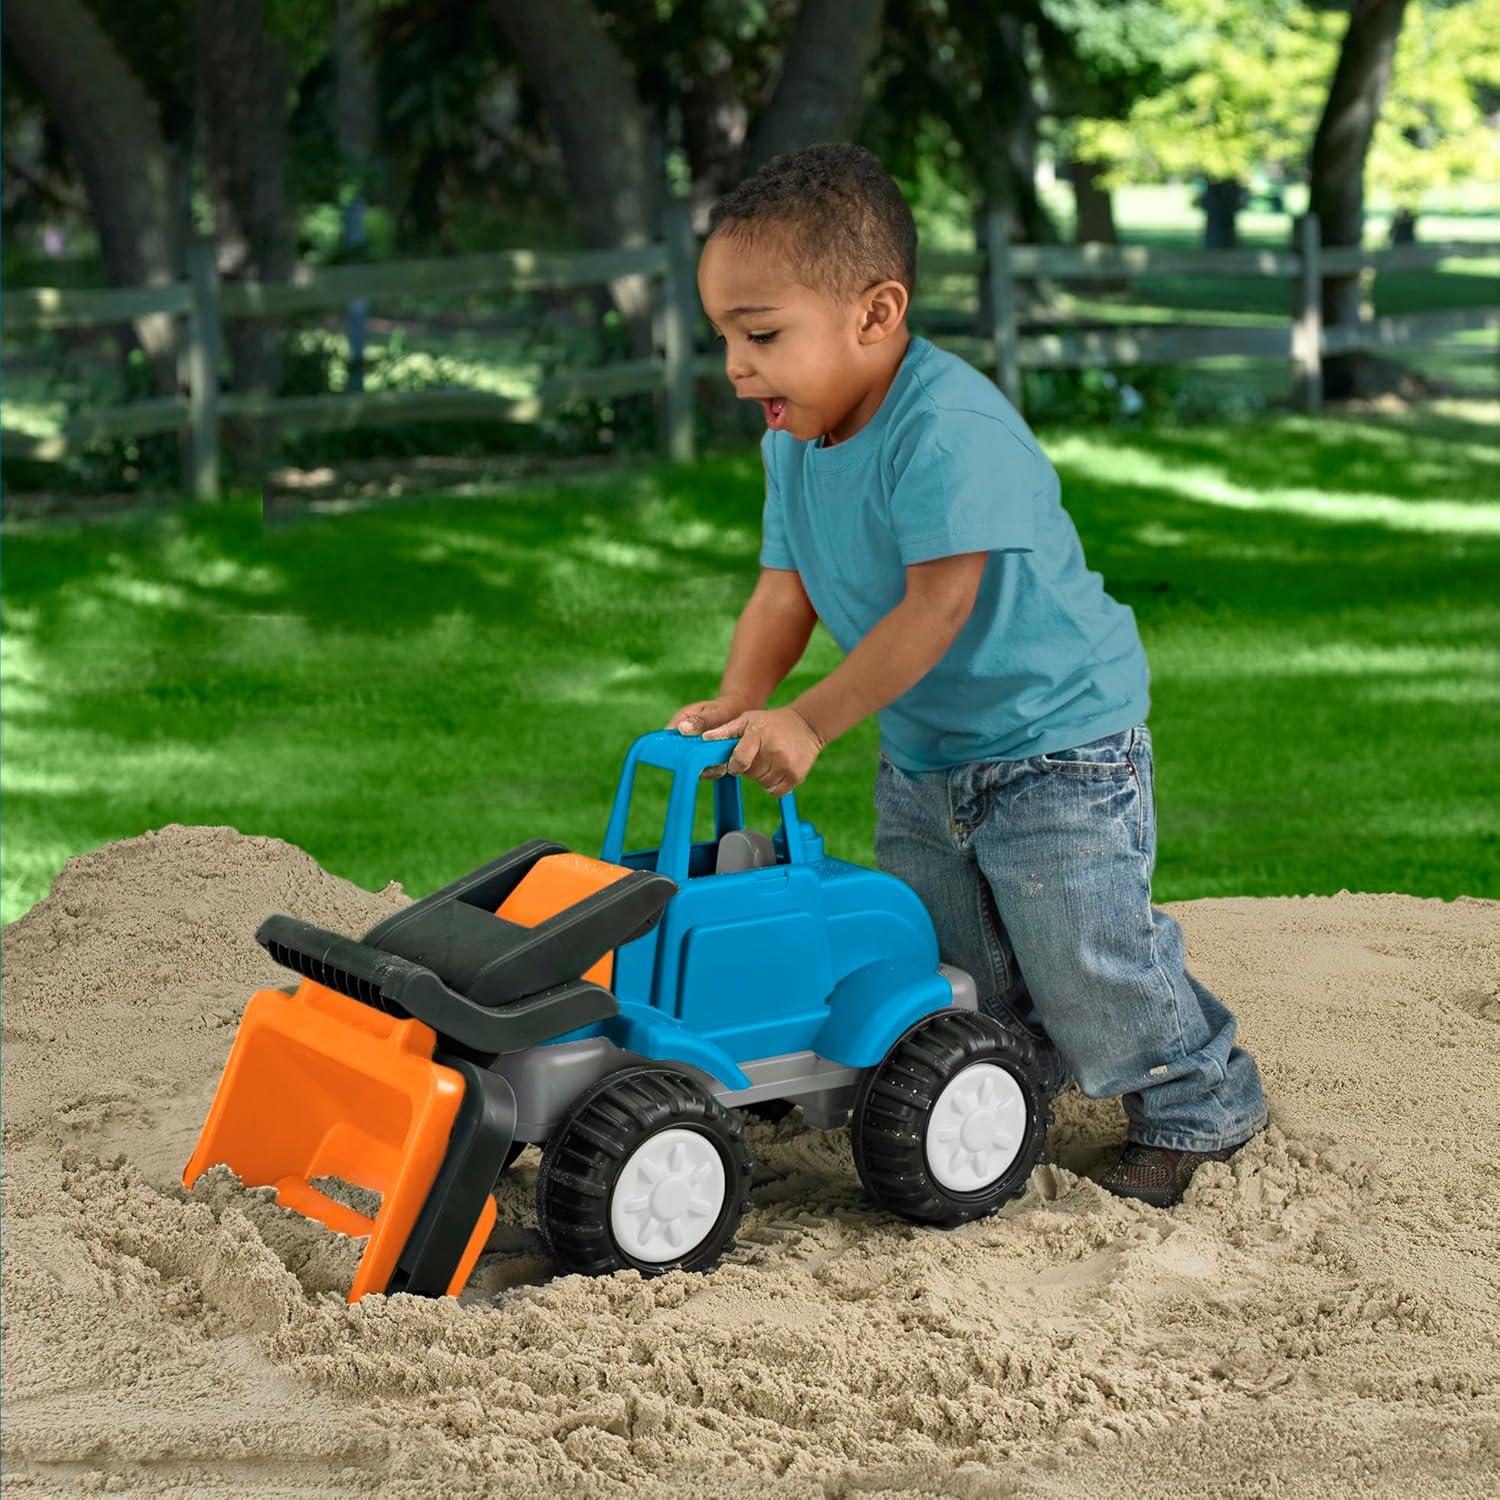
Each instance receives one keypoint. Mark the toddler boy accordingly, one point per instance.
(909, 508)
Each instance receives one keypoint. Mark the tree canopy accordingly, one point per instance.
(1246, 80)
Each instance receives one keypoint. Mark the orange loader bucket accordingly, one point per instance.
(320, 1085)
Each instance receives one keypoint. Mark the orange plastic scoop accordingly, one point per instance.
(319, 1085)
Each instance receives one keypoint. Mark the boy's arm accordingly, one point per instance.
(769, 638)
(778, 746)
(900, 650)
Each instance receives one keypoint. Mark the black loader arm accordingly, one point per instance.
(456, 933)
(400, 987)
(487, 984)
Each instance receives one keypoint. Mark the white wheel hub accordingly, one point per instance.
(668, 1196)
(976, 1127)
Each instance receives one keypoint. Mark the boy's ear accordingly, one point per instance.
(884, 306)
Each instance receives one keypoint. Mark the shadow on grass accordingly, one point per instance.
(407, 689)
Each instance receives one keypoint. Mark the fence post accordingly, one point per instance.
(1002, 290)
(203, 368)
(1307, 329)
(680, 314)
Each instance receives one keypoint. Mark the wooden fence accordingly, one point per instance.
(205, 303)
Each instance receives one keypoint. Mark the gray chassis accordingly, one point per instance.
(547, 1079)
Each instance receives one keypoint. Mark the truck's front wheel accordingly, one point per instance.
(647, 1171)
(950, 1125)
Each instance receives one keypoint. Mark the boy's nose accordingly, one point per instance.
(737, 368)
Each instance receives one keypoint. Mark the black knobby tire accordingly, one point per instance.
(893, 1107)
(585, 1153)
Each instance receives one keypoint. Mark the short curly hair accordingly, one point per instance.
(833, 212)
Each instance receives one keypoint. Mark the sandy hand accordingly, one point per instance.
(777, 748)
(707, 713)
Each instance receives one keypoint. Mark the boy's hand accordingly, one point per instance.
(707, 713)
(777, 748)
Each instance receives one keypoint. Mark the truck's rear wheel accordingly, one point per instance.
(949, 1126)
(646, 1171)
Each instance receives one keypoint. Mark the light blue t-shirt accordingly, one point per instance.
(1047, 659)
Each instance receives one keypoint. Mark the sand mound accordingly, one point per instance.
(1316, 1318)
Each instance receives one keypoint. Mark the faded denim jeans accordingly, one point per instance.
(1037, 873)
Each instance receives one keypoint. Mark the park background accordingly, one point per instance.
(405, 645)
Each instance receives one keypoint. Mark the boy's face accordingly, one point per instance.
(808, 361)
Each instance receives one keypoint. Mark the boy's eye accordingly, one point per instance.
(755, 338)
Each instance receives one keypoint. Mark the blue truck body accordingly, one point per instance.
(809, 954)
(621, 1022)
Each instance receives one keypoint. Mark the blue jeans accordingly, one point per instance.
(1037, 873)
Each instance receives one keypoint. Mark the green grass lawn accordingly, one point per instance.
(405, 691)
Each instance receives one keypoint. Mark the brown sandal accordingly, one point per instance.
(1155, 1174)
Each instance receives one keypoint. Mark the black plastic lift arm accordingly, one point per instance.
(455, 932)
(402, 988)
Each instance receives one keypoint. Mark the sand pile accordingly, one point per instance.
(1318, 1317)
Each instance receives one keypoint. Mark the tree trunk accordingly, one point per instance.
(820, 94)
(244, 84)
(356, 97)
(357, 111)
(715, 123)
(1094, 221)
(609, 147)
(1337, 174)
(1404, 227)
(1002, 152)
(113, 130)
(1070, 90)
(714, 127)
(1095, 208)
(1223, 198)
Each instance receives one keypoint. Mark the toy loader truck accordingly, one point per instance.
(617, 1012)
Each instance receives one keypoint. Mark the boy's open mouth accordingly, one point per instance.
(775, 409)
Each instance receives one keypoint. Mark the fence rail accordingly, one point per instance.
(1000, 346)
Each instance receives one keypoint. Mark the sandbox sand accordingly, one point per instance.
(1317, 1318)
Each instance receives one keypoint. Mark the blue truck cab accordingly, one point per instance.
(809, 954)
